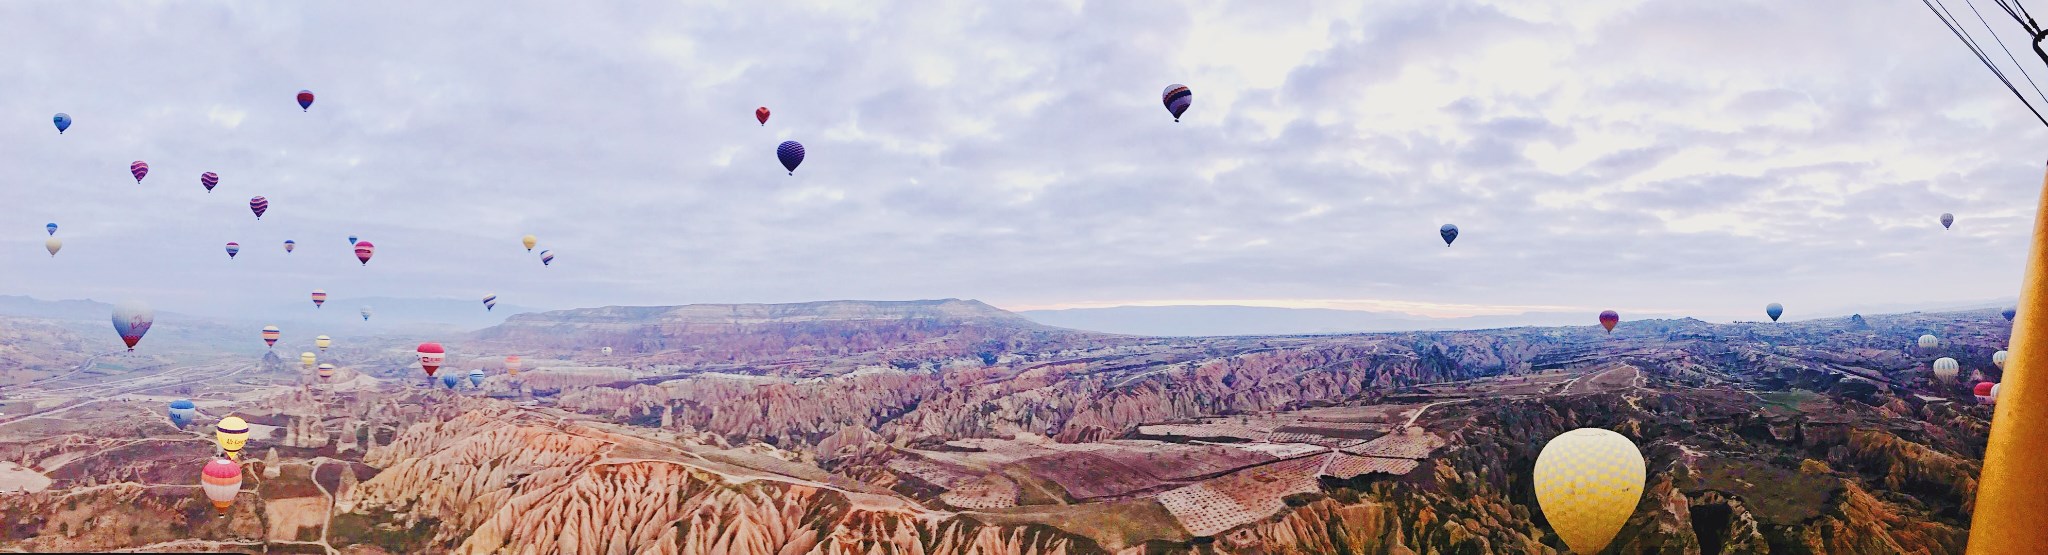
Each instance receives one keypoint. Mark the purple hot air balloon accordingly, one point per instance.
(209, 179)
(258, 205)
(791, 153)
(1177, 98)
(233, 248)
(139, 168)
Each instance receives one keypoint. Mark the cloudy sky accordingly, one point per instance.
(1683, 157)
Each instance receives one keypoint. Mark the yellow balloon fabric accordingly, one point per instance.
(231, 434)
(1588, 482)
(529, 241)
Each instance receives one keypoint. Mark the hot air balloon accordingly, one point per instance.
(366, 314)
(322, 342)
(53, 244)
(139, 169)
(607, 351)
(1994, 391)
(529, 241)
(363, 251)
(1947, 219)
(208, 180)
(306, 359)
(1774, 310)
(512, 365)
(1588, 482)
(63, 122)
(476, 378)
(1177, 99)
(52, 227)
(222, 480)
(1928, 341)
(289, 245)
(259, 205)
(231, 434)
(2007, 313)
(546, 257)
(131, 320)
(761, 115)
(1945, 369)
(1983, 392)
(791, 153)
(270, 335)
(1608, 319)
(1998, 359)
(233, 248)
(448, 380)
(319, 297)
(490, 302)
(305, 100)
(431, 356)
(182, 412)
(326, 371)
(1449, 232)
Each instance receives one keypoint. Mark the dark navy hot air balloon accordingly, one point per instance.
(208, 180)
(182, 411)
(305, 100)
(1177, 98)
(52, 226)
(1774, 310)
(1947, 219)
(63, 122)
(791, 153)
(1450, 233)
(2007, 313)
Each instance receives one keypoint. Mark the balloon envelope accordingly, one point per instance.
(490, 302)
(351, 240)
(290, 244)
(2007, 313)
(138, 169)
(132, 319)
(259, 205)
(791, 153)
(1983, 392)
(448, 380)
(319, 297)
(322, 342)
(305, 100)
(221, 480)
(1774, 310)
(431, 356)
(52, 227)
(607, 351)
(63, 122)
(1588, 481)
(1947, 219)
(1998, 359)
(1608, 319)
(326, 371)
(306, 359)
(363, 251)
(1945, 369)
(53, 245)
(1177, 98)
(270, 335)
(476, 378)
(546, 257)
(366, 314)
(761, 115)
(1929, 341)
(182, 412)
(1449, 233)
(208, 180)
(233, 248)
(512, 364)
(529, 241)
(231, 434)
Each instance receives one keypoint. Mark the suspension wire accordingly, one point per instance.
(1981, 58)
(2008, 52)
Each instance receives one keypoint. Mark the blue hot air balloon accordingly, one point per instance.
(2009, 313)
(476, 377)
(52, 226)
(182, 412)
(448, 380)
(1774, 310)
(1449, 232)
(351, 240)
(63, 122)
(792, 154)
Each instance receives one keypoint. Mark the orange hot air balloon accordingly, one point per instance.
(319, 297)
(512, 365)
(1608, 319)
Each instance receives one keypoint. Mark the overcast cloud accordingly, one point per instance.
(1674, 157)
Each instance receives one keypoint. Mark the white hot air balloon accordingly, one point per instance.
(53, 245)
(1588, 482)
(1929, 341)
(1945, 369)
(1998, 359)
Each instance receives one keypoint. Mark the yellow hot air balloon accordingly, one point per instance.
(1946, 369)
(307, 359)
(322, 342)
(231, 434)
(1998, 358)
(529, 241)
(1588, 481)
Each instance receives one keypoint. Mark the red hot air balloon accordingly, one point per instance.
(259, 205)
(761, 113)
(1983, 392)
(209, 179)
(305, 100)
(431, 356)
(363, 251)
(139, 169)
(1608, 319)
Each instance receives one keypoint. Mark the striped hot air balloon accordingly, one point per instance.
(363, 251)
(52, 228)
(1608, 319)
(306, 360)
(1983, 392)
(322, 342)
(326, 371)
(1946, 369)
(512, 365)
(208, 180)
(222, 481)
(139, 169)
(431, 356)
(233, 248)
(546, 257)
(1177, 99)
(792, 154)
(476, 377)
(289, 245)
(319, 297)
(270, 335)
(490, 302)
(259, 205)
(305, 100)
(231, 434)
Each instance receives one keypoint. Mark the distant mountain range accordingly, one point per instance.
(1220, 320)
